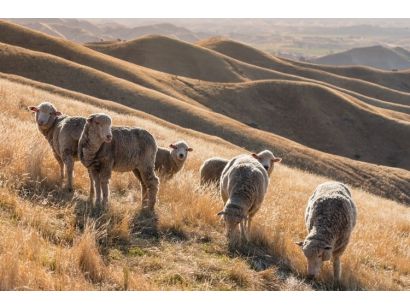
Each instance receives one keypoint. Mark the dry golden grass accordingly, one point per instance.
(49, 243)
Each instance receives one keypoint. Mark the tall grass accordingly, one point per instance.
(48, 241)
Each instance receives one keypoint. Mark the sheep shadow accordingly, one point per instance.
(145, 224)
(261, 256)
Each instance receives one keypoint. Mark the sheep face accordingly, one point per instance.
(232, 222)
(46, 114)
(100, 126)
(180, 150)
(267, 159)
(316, 253)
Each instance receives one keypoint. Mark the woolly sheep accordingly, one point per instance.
(330, 218)
(103, 149)
(267, 159)
(244, 182)
(62, 133)
(211, 170)
(169, 162)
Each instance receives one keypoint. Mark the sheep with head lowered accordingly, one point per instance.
(330, 217)
(243, 186)
(103, 149)
(170, 161)
(211, 170)
(62, 133)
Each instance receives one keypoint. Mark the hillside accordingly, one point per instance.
(378, 56)
(314, 116)
(82, 79)
(258, 58)
(169, 84)
(396, 80)
(50, 244)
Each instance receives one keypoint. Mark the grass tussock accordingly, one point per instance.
(49, 242)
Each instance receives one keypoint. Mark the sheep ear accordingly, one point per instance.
(221, 213)
(173, 146)
(90, 119)
(33, 109)
(300, 243)
(276, 160)
(190, 149)
(254, 155)
(57, 113)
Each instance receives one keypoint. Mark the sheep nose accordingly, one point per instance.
(181, 155)
(109, 137)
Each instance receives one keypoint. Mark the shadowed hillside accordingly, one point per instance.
(253, 56)
(399, 80)
(375, 56)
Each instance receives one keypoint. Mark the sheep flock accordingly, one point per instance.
(243, 180)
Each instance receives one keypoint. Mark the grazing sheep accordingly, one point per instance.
(211, 170)
(103, 149)
(62, 133)
(267, 159)
(168, 162)
(244, 182)
(330, 218)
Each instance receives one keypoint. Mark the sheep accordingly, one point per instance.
(169, 162)
(211, 170)
(330, 217)
(267, 159)
(103, 149)
(62, 133)
(243, 185)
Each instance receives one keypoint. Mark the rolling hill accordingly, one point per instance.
(378, 56)
(322, 131)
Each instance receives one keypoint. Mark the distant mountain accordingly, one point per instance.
(378, 56)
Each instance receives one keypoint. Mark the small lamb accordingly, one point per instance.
(62, 133)
(211, 170)
(243, 186)
(169, 162)
(330, 218)
(103, 149)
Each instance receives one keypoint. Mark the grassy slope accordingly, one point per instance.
(47, 244)
(256, 57)
(314, 116)
(396, 80)
(217, 67)
(382, 180)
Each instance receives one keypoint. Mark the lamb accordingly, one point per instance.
(330, 218)
(211, 170)
(169, 162)
(62, 133)
(103, 149)
(243, 186)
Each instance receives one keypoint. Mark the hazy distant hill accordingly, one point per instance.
(375, 56)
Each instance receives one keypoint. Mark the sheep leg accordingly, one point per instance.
(97, 183)
(92, 190)
(248, 224)
(152, 183)
(337, 268)
(105, 193)
(143, 186)
(61, 164)
(69, 164)
(244, 234)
